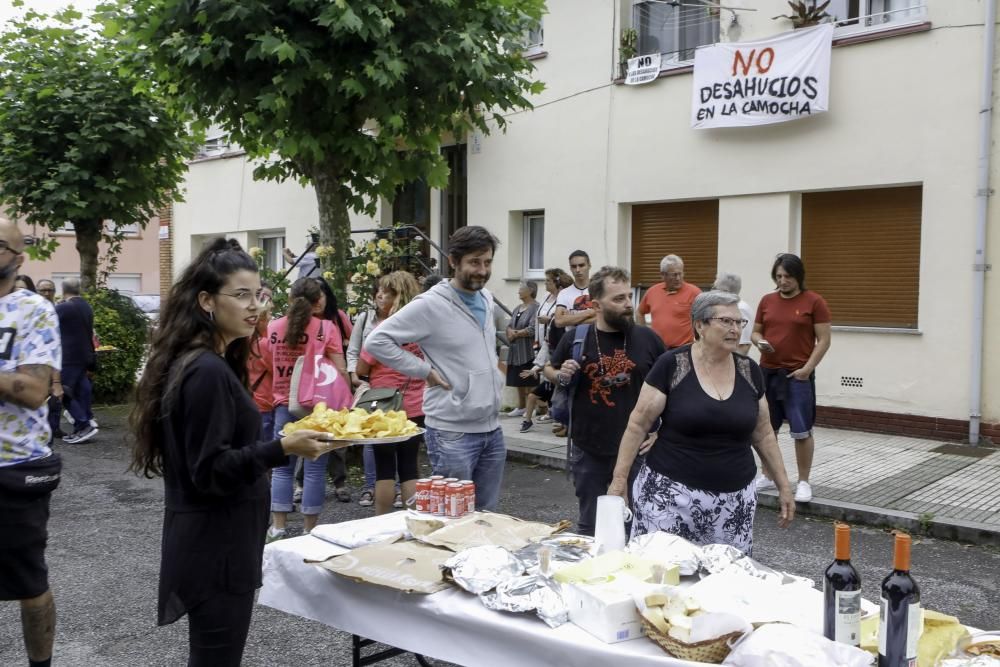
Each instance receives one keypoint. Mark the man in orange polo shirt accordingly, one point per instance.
(667, 305)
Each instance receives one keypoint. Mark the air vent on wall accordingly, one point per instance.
(849, 381)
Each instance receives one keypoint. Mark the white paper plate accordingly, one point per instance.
(388, 440)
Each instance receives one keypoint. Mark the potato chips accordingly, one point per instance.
(355, 424)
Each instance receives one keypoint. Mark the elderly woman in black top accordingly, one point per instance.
(698, 478)
(196, 425)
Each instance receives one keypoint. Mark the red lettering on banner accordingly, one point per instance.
(745, 63)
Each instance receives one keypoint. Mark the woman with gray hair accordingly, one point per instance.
(697, 480)
(521, 341)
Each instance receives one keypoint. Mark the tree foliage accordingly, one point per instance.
(84, 137)
(121, 325)
(352, 96)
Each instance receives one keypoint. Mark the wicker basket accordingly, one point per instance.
(712, 651)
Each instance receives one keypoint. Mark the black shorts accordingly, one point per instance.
(24, 517)
(544, 391)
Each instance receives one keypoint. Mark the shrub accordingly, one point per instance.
(119, 323)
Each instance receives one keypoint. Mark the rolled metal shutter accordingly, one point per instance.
(861, 249)
(687, 229)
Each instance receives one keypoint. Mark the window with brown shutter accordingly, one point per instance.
(861, 249)
(687, 229)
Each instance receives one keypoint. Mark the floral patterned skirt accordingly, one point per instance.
(701, 517)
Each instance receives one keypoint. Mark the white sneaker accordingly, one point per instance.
(803, 492)
(765, 484)
(544, 419)
(516, 412)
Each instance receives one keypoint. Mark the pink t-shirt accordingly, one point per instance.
(383, 376)
(320, 337)
(260, 374)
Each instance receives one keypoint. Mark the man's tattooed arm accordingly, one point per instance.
(28, 386)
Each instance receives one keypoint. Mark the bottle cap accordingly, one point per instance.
(841, 541)
(901, 557)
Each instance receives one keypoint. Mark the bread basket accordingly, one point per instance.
(712, 651)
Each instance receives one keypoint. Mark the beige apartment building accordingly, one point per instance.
(138, 270)
(878, 195)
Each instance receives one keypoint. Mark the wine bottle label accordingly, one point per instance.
(847, 623)
(914, 624)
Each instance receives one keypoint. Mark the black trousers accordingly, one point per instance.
(591, 477)
(217, 630)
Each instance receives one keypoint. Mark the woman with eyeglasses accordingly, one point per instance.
(196, 425)
(697, 480)
(302, 332)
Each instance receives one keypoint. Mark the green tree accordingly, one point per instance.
(351, 96)
(84, 136)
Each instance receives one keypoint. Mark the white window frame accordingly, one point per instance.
(216, 143)
(129, 231)
(532, 218)
(672, 59)
(534, 40)
(280, 261)
(876, 15)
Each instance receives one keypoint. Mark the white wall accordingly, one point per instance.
(222, 198)
(903, 111)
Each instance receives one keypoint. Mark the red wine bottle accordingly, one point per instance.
(842, 592)
(900, 621)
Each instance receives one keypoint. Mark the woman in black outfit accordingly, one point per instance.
(196, 425)
(697, 480)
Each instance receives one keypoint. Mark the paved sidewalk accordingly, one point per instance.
(951, 491)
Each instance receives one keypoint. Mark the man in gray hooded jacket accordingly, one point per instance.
(453, 325)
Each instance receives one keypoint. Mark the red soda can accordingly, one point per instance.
(422, 499)
(470, 495)
(435, 477)
(437, 497)
(450, 480)
(454, 500)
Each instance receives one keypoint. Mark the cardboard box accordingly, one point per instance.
(606, 611)
(407, 565)
(486, 528)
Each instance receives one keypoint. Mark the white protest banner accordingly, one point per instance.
(643, 69)
(757, 83)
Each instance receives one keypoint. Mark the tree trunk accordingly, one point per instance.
(334, 229)
(88, 234)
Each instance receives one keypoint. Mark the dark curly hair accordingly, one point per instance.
(184, 332)
(305, 294)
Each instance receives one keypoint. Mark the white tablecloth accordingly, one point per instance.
(450, 625)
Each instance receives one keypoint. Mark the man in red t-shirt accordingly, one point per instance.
(667, 305)
(792, 332)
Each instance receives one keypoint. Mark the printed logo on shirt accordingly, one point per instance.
(615, 365)
(7, 335)
(582, 302)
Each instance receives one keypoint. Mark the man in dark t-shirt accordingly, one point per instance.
(76, 326)
(614, 359)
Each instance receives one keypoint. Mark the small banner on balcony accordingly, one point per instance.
(758, 83)
(643, 69)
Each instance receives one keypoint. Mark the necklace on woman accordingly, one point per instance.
(708, 374)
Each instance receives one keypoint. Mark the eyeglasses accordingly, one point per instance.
(244, 296)
(618, 380)
(6, 246)
(729, 322)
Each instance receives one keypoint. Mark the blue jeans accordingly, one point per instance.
(76, 384)
(477, 456)
(368, 458)
(314, 483)
(794, 400)
(267, 426)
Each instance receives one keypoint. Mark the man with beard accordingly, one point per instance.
(453, 325)
(614, 360)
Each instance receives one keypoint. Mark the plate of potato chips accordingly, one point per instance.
(357, 425)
